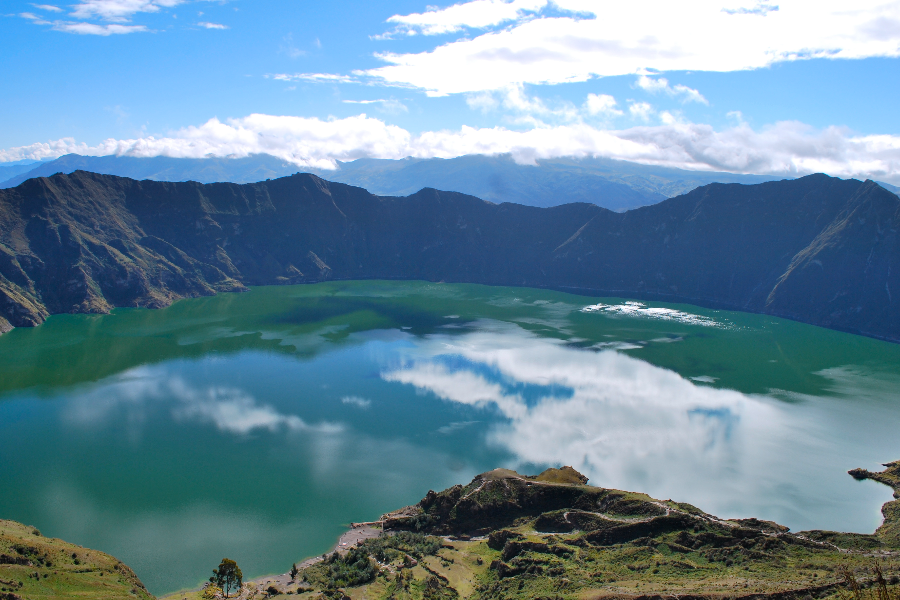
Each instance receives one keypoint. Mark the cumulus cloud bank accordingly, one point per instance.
(630, 37)
(786, 148)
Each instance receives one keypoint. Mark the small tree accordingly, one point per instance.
(294, 572)
(228, 576)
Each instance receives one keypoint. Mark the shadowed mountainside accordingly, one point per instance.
(816, 249)
(614, 184)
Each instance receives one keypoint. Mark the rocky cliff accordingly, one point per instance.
(511, 536)
(816, 249)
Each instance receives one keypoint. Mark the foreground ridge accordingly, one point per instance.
(506, 535)
(816, 249)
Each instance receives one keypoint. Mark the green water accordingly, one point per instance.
(255, 426)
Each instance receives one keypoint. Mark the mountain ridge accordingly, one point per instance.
(815, 249)
(614, 184)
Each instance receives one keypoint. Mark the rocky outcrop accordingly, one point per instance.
(818, 249)
(538, 529)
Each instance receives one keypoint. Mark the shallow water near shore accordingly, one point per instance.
(257, 426)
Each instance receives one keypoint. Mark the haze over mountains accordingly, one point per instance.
(613, 184)
(817, 249)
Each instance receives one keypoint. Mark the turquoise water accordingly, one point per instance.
(256, 426)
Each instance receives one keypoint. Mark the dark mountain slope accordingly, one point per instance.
(816, 249)
(720, 244)
(844, 277)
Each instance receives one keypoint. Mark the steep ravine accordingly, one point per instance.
(817, 249)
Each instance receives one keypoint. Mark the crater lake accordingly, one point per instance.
(257, 426)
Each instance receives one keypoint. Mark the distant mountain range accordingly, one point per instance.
(616, 185)
(11, 170)
(817, 249)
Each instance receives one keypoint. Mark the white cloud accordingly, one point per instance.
(631, 37)
(654, 85)
(94, 29)
(114, 16)
(307, 142)
(476, 14)
(524, 108)
(640, 110)
(689, 94)
(762, 8)
(483, 101)
(314, 77)
(389, 105)
(669, 118)
(785, 148)
(635, 309)
(119, 10)
(602, 104)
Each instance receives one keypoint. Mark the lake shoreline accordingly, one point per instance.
(356, 533)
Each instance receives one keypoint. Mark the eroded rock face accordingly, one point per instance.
(816, 249)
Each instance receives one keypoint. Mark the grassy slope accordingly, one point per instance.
(33, 567)
(624, 545)
(549, 536)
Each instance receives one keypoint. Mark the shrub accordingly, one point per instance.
(353, 568)
(390, 547)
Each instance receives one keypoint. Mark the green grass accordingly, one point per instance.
(554, 537)
(33, 567)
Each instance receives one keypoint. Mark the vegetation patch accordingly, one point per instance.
(34, 567)
(507, 536)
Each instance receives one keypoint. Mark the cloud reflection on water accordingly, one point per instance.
(629, 424)
(633, 308)
(229, 409)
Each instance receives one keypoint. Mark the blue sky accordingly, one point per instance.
(744, 86)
